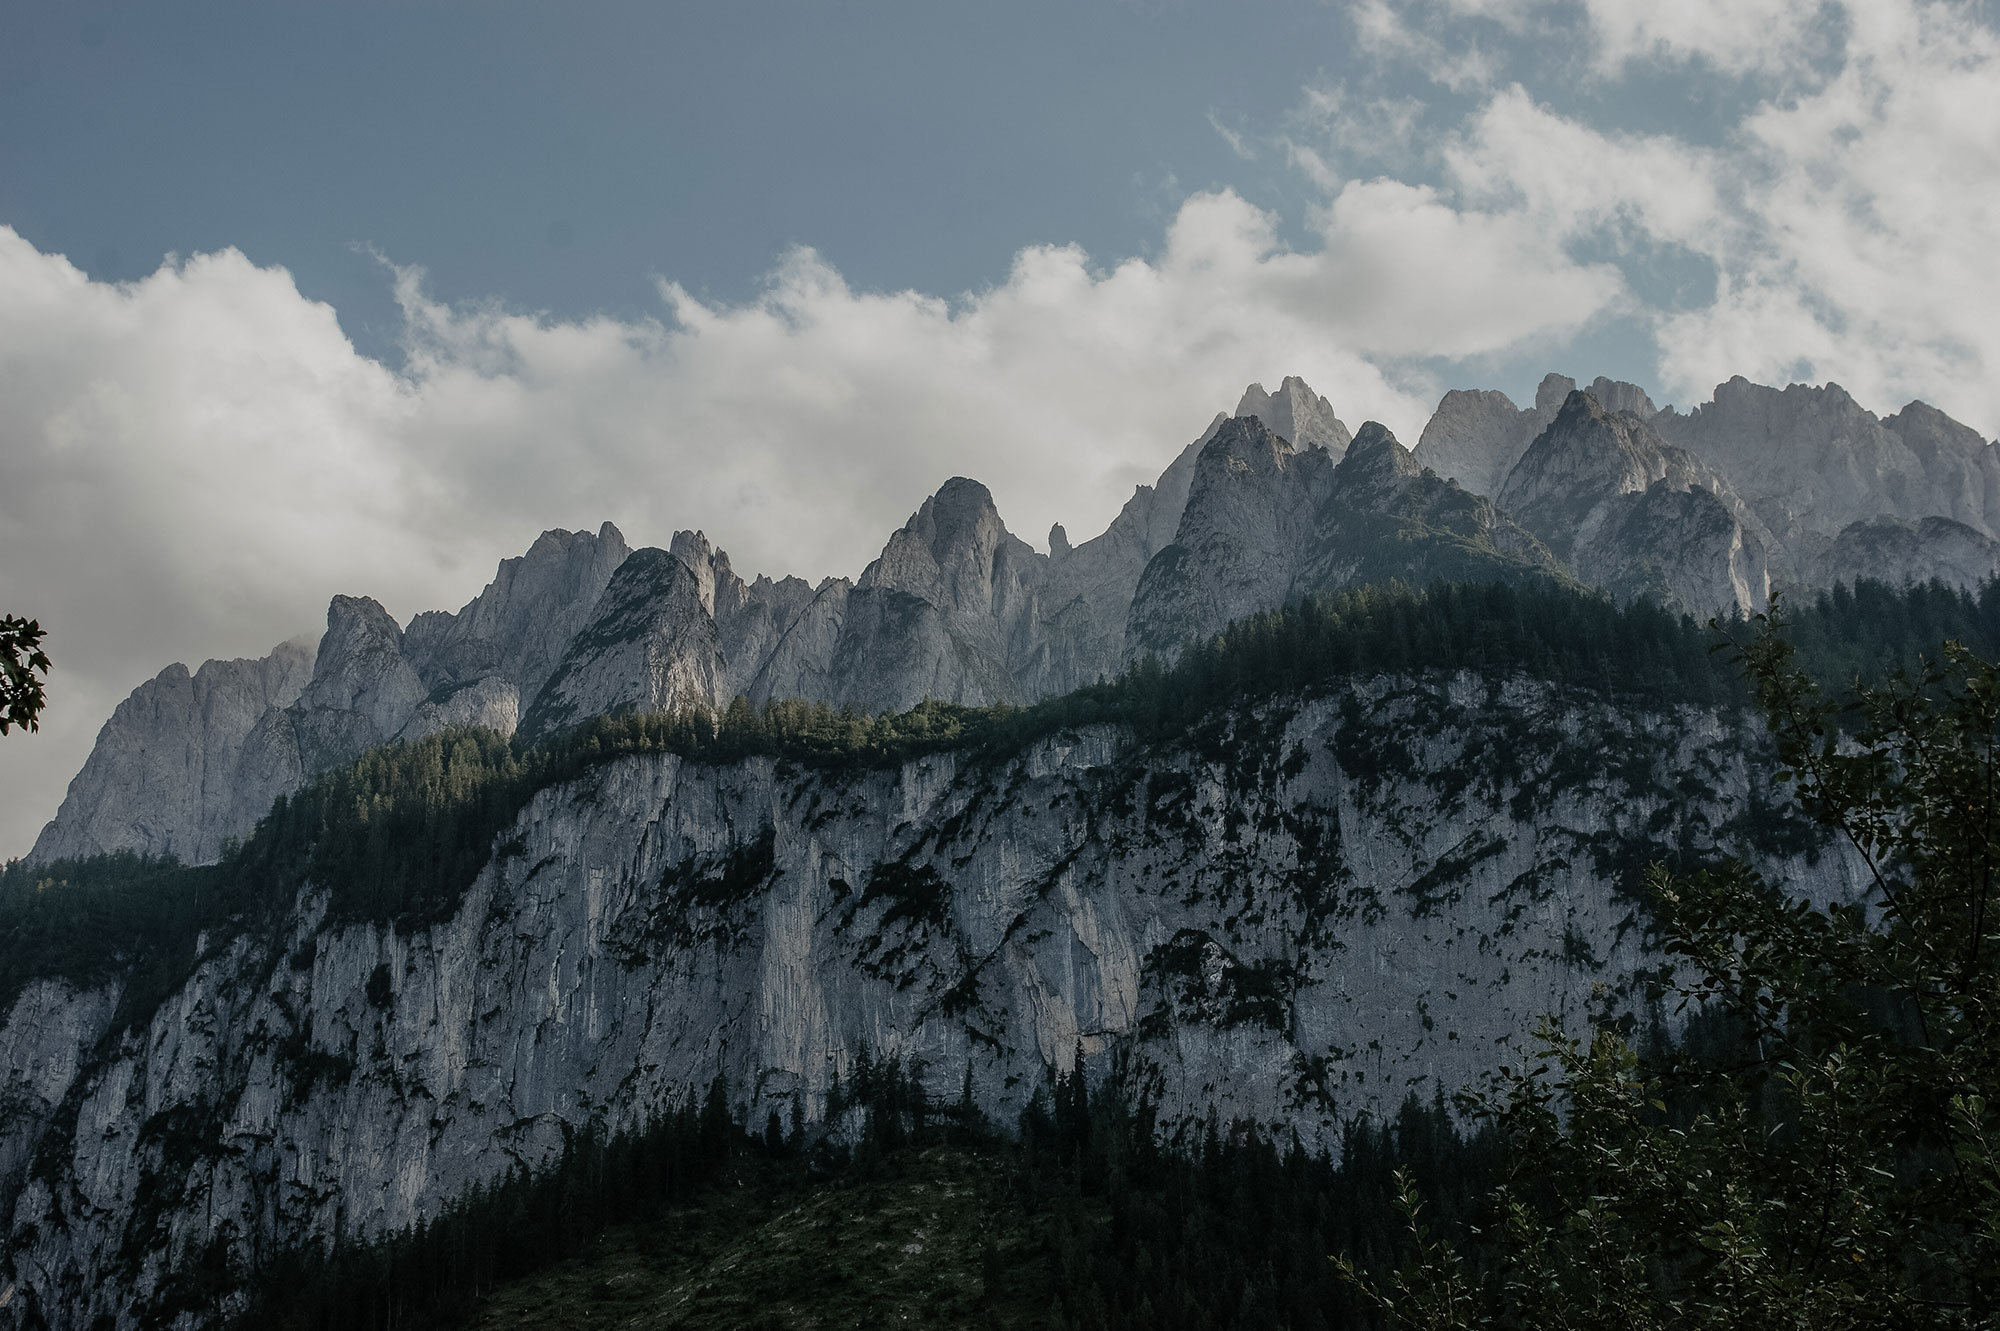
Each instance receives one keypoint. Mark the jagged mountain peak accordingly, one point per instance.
(961, 513)
(650, 646)
(719, 587)
(1645, 518)
(1552, 392)
(1273, 502)
(1584, 454)
(1376, 458)
(1296, 412)
(952, 550)
(1812, 460)
(1246, 442)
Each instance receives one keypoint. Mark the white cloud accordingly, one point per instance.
(1846, 219)
(1739, 37)
(1871, 207)
(1576, 181)
(192, 463)
(1463, 65)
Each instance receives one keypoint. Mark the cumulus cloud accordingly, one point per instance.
(192, 463)
(1843, 220)
(1866, 211)
(1734, 36)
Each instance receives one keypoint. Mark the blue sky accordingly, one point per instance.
(303, 299)
(559, 157)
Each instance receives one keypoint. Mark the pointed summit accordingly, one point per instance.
(1375, 461)
(1296, 412)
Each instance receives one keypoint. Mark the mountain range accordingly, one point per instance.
(1706, 512)
(431, 965)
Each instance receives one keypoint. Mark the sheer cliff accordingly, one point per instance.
(1289, 913)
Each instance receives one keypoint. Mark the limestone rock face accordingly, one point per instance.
(363, 690)
(1251, 510)
(1616, 395)
(800, 661)
(45, 1042)
(1297, 414)
(750, 618)
(1477, 435)
(944, 611)
(186, 763)
(170, 774)
(1898, 552)
(1265, 524)
(1684, 549)
(519, 627)
(489, 702)
(1387, 517)
(1596, 486)
(1087, 601)
(651, 647)
(1378, 941)
(1813, 460)
(1960, 466)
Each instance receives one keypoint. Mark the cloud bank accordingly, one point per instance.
(190, 464)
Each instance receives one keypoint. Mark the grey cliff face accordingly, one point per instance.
(1087, 602)
(519, 627)
(1897, 552)
(1395, 927)
(1684, 549)
(1298, 415)
(1389, 517)
(651, 647)
(1476, 436)
(1265, 524)
(750, 618)
(1599, 487)
(186, 762)
(363, 688)
(490, 703)
(1251, 508)
(1812, 460)
(945, 610)
(45, 1043)
(800, 662)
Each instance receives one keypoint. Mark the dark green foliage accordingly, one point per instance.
(95, 919)
(1870, 629)
(1241, 993)
(1193, 1234)
(912, 893)
(400, 833)
(1823, 1150)
(21, 660)
(1123, 1231)
(719, 882)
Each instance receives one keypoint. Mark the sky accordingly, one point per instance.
(298, 300)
